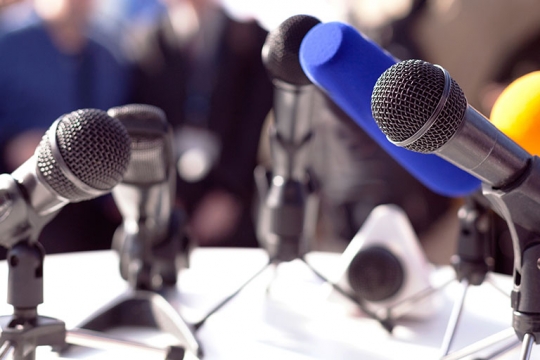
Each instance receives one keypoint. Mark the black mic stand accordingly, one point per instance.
(518, 205)
(472, 262)
(149, 269)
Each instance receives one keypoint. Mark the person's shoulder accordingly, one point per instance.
(19, 35)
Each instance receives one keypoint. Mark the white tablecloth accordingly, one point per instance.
(296, 319)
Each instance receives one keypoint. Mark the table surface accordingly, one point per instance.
(297, 317)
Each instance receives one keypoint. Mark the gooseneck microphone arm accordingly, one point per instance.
(458, 133)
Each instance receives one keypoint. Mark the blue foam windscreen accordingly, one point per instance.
(346, 65)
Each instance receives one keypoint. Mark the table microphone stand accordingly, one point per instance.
(286, 203)
(472, 264)
(25, 330)
(148, 269)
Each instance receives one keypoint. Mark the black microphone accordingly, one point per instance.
(147, 240)
(283, 213)
(84, 154)
(420, 107)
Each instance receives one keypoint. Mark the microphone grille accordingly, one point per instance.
(151, 142)
(93, 146)
(282, 46)
(406, 96)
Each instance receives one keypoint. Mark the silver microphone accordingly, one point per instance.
(83, 155)
(421, 108)
(282, 220)
(150, 237)
(146, 195)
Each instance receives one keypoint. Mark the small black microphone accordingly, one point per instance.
(147, 239)
(83, 155)
(283, 214)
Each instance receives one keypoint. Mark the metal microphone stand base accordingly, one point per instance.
(25, 330)
(149, 269)
(136, 309)
(274, 262)
(20, 337)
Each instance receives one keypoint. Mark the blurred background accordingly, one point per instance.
(200, 61)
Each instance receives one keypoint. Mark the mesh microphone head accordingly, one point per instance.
(90, 157)
(151, 143)
(282, 46)
(407, 96)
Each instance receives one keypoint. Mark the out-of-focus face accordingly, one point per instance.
(199, 5)
(77, 11)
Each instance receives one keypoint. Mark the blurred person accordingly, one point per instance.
(51, 66)
(12, 13)
(204, 69)
(484, 44)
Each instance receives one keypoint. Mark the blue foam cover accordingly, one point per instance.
(346, 65)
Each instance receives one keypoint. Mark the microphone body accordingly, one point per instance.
(83, 155)
(346, 65)
(148, 241)
(292, 129)
(282, 225)
(420, 107)
(146, 195)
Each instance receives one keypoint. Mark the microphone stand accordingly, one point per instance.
(472, 260)
(518, 205)
(149, 269)
(286, 217)
(25, 330)
(471, 263)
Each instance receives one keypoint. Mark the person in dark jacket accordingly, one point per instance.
(204, 70)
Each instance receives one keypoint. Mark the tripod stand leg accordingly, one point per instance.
(387, 323)
(401, 307)
(201, 322)
(454, 319)
(507, 335)
(96, 340)
(526, 349)
(7, 350)
(496, 286)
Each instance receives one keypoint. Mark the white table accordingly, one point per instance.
(295, 320)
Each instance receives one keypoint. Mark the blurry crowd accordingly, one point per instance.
(189, 58)
(203, 67)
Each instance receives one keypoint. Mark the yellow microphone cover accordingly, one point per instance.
(517, 112)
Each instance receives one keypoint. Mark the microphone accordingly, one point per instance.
(83, 155)
(346, 65)
(420, 107)
(146, 198)
(284, 210)
(516, 112)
